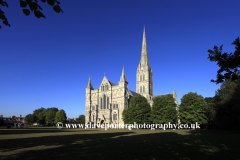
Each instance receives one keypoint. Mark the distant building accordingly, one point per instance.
(13, 119)
(105, 104)
(69, 120)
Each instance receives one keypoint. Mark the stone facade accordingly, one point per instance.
(106, 104)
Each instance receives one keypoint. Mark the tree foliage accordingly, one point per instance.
(80, 119)
(229, 63)
(50, 115)
(227, 104)
(138, 111)
(30, 118)
(28, 6)
(164, 110)
(40, 115)
(193, 109)
(60, 116)
(210, 111)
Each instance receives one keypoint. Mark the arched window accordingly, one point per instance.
(100, 103)
(113, 106)
(103, 88)
(141, 89)
(140, 78)
(93, 117)
(116, 106)
(143, 77)
(93, 108)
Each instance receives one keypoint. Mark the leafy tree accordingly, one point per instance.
(80, 119)
(164, 110)
(33, 5)
(138, 111)
(228, 63)
(30, 118)
(210, 108)
(60, 116)
(227, 104)
(40, 115)
(193, 109)
(50, 115)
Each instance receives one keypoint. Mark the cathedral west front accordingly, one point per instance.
(105, 104)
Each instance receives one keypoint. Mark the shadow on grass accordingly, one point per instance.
(135, 144)
(32, 130)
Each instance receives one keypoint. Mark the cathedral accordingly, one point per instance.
(105, 104)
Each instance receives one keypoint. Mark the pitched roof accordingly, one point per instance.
(112, 84)
(133, 93)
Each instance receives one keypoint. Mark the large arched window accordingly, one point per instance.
(143, 89)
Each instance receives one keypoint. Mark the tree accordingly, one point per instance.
(80, 119)
(138, 111)
(33, 5)
(60, 116)
(40, 115)
(50, 115)
(30, 118)
(210, 108)
(164, 110)
(227, 104)
(193, 109)
(228, 63)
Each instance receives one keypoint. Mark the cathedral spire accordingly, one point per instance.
(123, 77)
(144, 53)
(89, 86)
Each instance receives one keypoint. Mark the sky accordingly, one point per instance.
(46, 62)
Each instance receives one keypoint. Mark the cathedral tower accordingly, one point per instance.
(144, 72)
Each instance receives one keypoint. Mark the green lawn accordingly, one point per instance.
(52, 143)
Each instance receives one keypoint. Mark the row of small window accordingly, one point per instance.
(142, 89)
(115, 106)
(104, 88)
(114, 117)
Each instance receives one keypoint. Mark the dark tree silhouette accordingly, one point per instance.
(228, 63)
(33, 5)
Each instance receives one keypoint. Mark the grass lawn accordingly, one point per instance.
(52, 143)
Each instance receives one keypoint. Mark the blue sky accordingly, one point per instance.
(47, 62)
